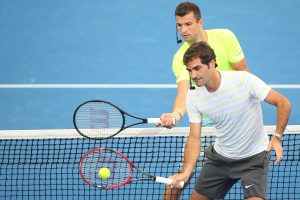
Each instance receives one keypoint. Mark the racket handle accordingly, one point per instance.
(167, 181)
(157, 120)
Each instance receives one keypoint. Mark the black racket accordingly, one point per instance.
(97, 119)
(120, 167)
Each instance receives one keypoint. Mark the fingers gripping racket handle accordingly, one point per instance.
(157, 120)
(167, 181)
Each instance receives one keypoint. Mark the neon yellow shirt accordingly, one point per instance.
(225, 46)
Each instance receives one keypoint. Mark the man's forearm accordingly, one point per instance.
(179, 105)
(191, 154)
(283, 113)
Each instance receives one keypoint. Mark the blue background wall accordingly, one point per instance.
(127, 42)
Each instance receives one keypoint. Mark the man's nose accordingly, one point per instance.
(181, 29)
(193, 74)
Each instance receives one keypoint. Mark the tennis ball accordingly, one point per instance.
(104, 173)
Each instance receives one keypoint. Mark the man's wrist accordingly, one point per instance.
(278, 136)
(179, 114)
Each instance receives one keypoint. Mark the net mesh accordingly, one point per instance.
(45, 165)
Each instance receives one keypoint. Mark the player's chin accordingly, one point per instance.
(199, 83)
(187, 39)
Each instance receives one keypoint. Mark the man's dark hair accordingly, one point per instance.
(199, 50)
(185, 8)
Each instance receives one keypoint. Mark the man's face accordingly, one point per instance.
(199, 72)
(188, 27)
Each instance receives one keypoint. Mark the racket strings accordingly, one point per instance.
(120, 169)
(98, 118)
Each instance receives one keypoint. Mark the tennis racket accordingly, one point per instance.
(97, 119)
(121, 169)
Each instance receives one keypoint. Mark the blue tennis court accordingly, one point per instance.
(55, 55)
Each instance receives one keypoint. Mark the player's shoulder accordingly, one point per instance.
(235, 74)
(221, 32)
(181, 50)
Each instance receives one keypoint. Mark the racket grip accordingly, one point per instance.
(157, 120)
(167, 181)
(153, 120)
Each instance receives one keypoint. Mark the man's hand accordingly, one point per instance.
(167, 120)
(178, 178)
(275, 144)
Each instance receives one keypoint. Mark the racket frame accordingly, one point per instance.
(129, 179)
(122, 112)
(99, 186)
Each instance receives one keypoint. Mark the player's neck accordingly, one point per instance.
(202, 36)
(214, 82)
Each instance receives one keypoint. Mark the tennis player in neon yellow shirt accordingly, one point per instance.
(226, 46)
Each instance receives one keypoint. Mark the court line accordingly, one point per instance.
(116, 86)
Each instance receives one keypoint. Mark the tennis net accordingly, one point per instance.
(44, 164)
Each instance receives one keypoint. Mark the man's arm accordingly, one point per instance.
(180, 101)
(283, 109)
(191, 154)
(240, 65)
(283, 112)
(179, 107)
(192, 148)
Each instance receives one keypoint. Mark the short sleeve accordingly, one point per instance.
(235, 52)
(256, 87)
(191, 105)
(179, 69)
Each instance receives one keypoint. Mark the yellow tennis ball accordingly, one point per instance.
(104, 173)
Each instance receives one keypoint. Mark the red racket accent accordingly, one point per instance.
(121, 169)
